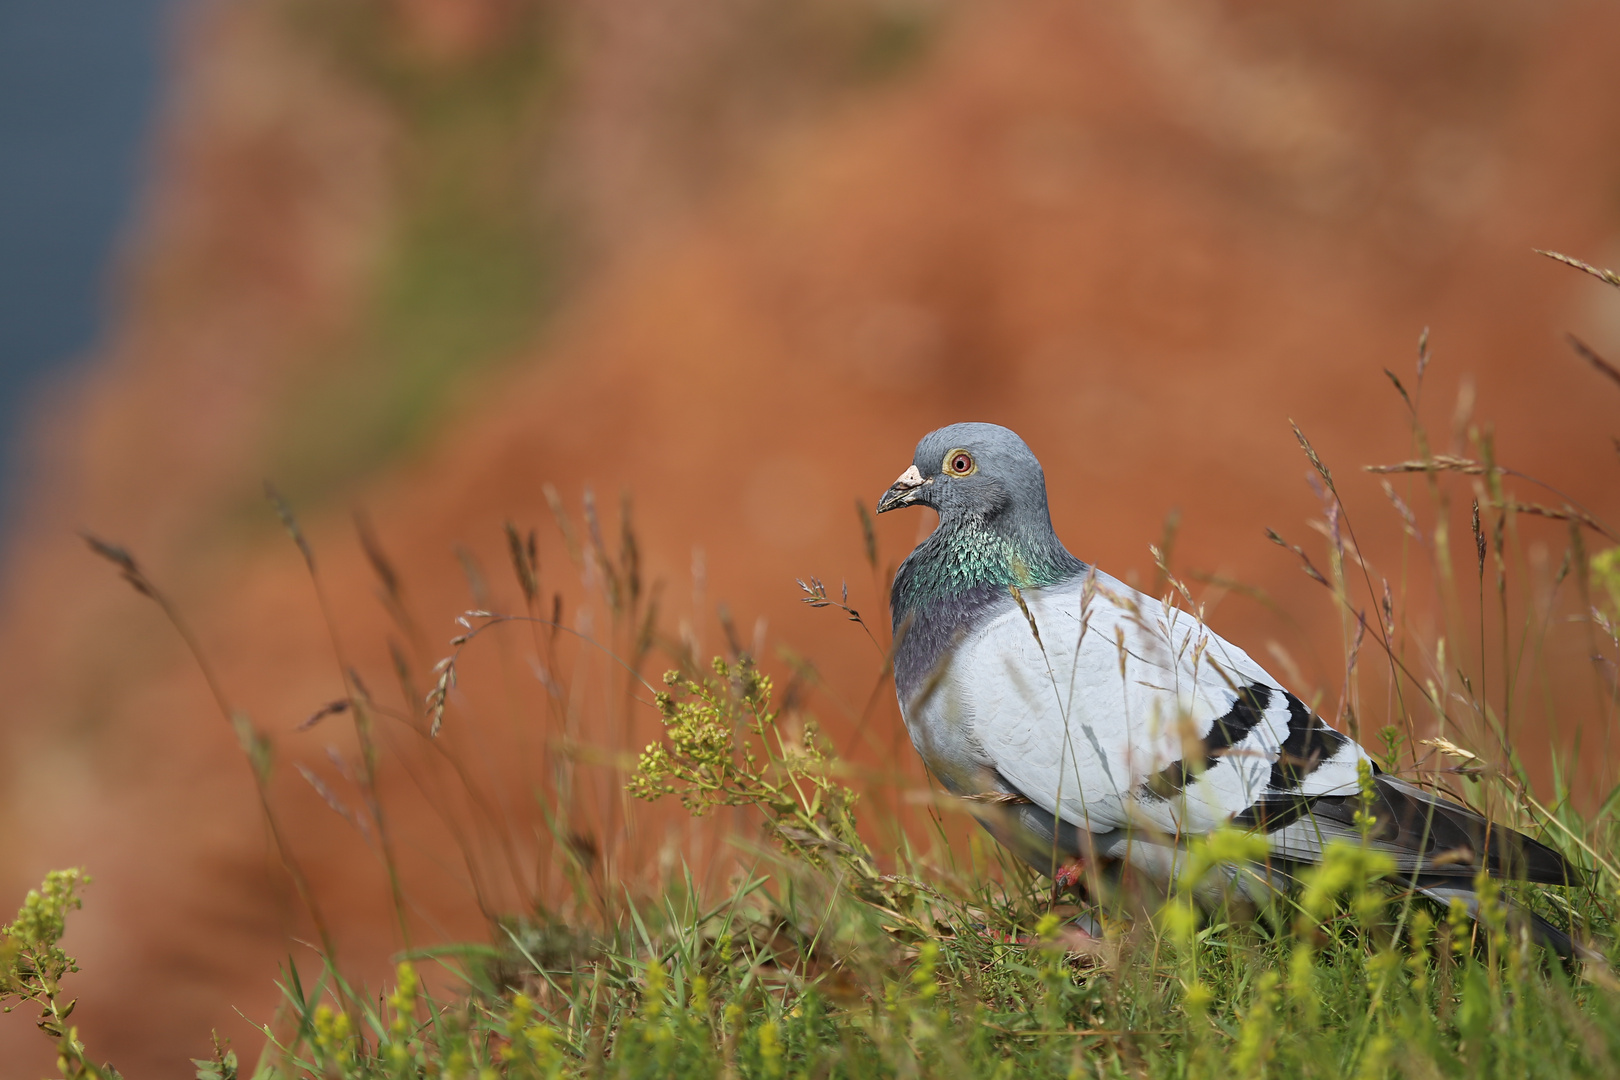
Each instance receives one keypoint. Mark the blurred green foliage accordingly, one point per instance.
(475, 256)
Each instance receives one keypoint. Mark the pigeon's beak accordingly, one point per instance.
(904, 491)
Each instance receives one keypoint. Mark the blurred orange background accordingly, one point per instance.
(423, 257)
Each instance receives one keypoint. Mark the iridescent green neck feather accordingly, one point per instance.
(966, 557)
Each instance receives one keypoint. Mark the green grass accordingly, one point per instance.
(856, 941)
(819, 963)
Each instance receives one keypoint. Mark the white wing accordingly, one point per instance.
(1111, 709)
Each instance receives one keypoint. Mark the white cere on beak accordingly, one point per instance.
(909, 479)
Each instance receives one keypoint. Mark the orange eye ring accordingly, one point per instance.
(959, 463)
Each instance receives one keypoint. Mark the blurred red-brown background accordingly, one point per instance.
(423, 257)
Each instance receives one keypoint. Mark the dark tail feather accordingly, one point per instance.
(1542, 932)
(1426, 823)
(1425, 832)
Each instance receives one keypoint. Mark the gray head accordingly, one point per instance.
(981, 471)
(994, 534)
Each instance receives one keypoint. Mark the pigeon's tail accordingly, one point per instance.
(1428, 837)
(1541, 931)
(1437, 846)
(1453, 840)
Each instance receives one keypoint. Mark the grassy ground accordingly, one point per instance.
(842, 947)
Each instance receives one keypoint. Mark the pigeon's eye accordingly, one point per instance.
(960, 463)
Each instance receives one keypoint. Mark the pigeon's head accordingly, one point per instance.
(977, 470)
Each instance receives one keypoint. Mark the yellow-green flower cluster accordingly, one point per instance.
(402, 1002)
(702, 760)
(1257, 1038)
(1345, 867)
(334, 1034)
(770, 1049)
(530, 1040)
(39, 926)
(1228, 847)
(1225, 846)
(1365, 821)
(517, 1026)
(923, 977)
(653, 997)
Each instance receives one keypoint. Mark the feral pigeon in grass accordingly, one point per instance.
(1086, 722)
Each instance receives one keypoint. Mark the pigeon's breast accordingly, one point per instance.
(938, 643)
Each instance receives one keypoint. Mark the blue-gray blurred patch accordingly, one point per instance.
(78, 82)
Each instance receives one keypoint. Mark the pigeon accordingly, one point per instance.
(1087, 724)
